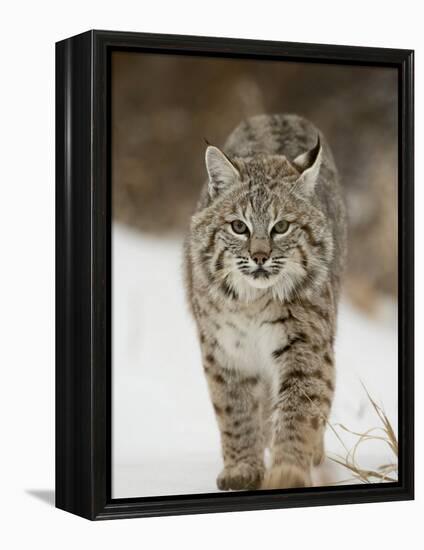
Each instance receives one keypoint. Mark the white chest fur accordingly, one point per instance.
(246, 341)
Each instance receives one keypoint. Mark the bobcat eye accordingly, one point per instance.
(281, 227)
(239, 227)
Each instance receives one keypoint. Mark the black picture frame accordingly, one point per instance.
(83, 275)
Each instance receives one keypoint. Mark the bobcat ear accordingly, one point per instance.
(222, 172)
(308, 164)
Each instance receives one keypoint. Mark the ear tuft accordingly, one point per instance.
(308, 164)
(222, 172)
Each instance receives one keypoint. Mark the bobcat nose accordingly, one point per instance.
(260, 257)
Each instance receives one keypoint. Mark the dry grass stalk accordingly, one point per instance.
(384, 432)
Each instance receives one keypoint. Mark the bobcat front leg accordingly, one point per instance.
(236, 400)
(302, 404)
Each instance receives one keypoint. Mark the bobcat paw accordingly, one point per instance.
(286, 476)
(241, 476)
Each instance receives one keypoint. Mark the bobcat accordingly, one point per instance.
(263, 261)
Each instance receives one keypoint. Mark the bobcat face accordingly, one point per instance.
(265, 227)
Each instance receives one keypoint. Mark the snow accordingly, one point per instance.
(164, 435)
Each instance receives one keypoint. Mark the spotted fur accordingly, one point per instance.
(265, 303)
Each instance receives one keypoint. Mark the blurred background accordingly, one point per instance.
(163, 107)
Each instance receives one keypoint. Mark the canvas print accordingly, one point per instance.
(254, 274)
